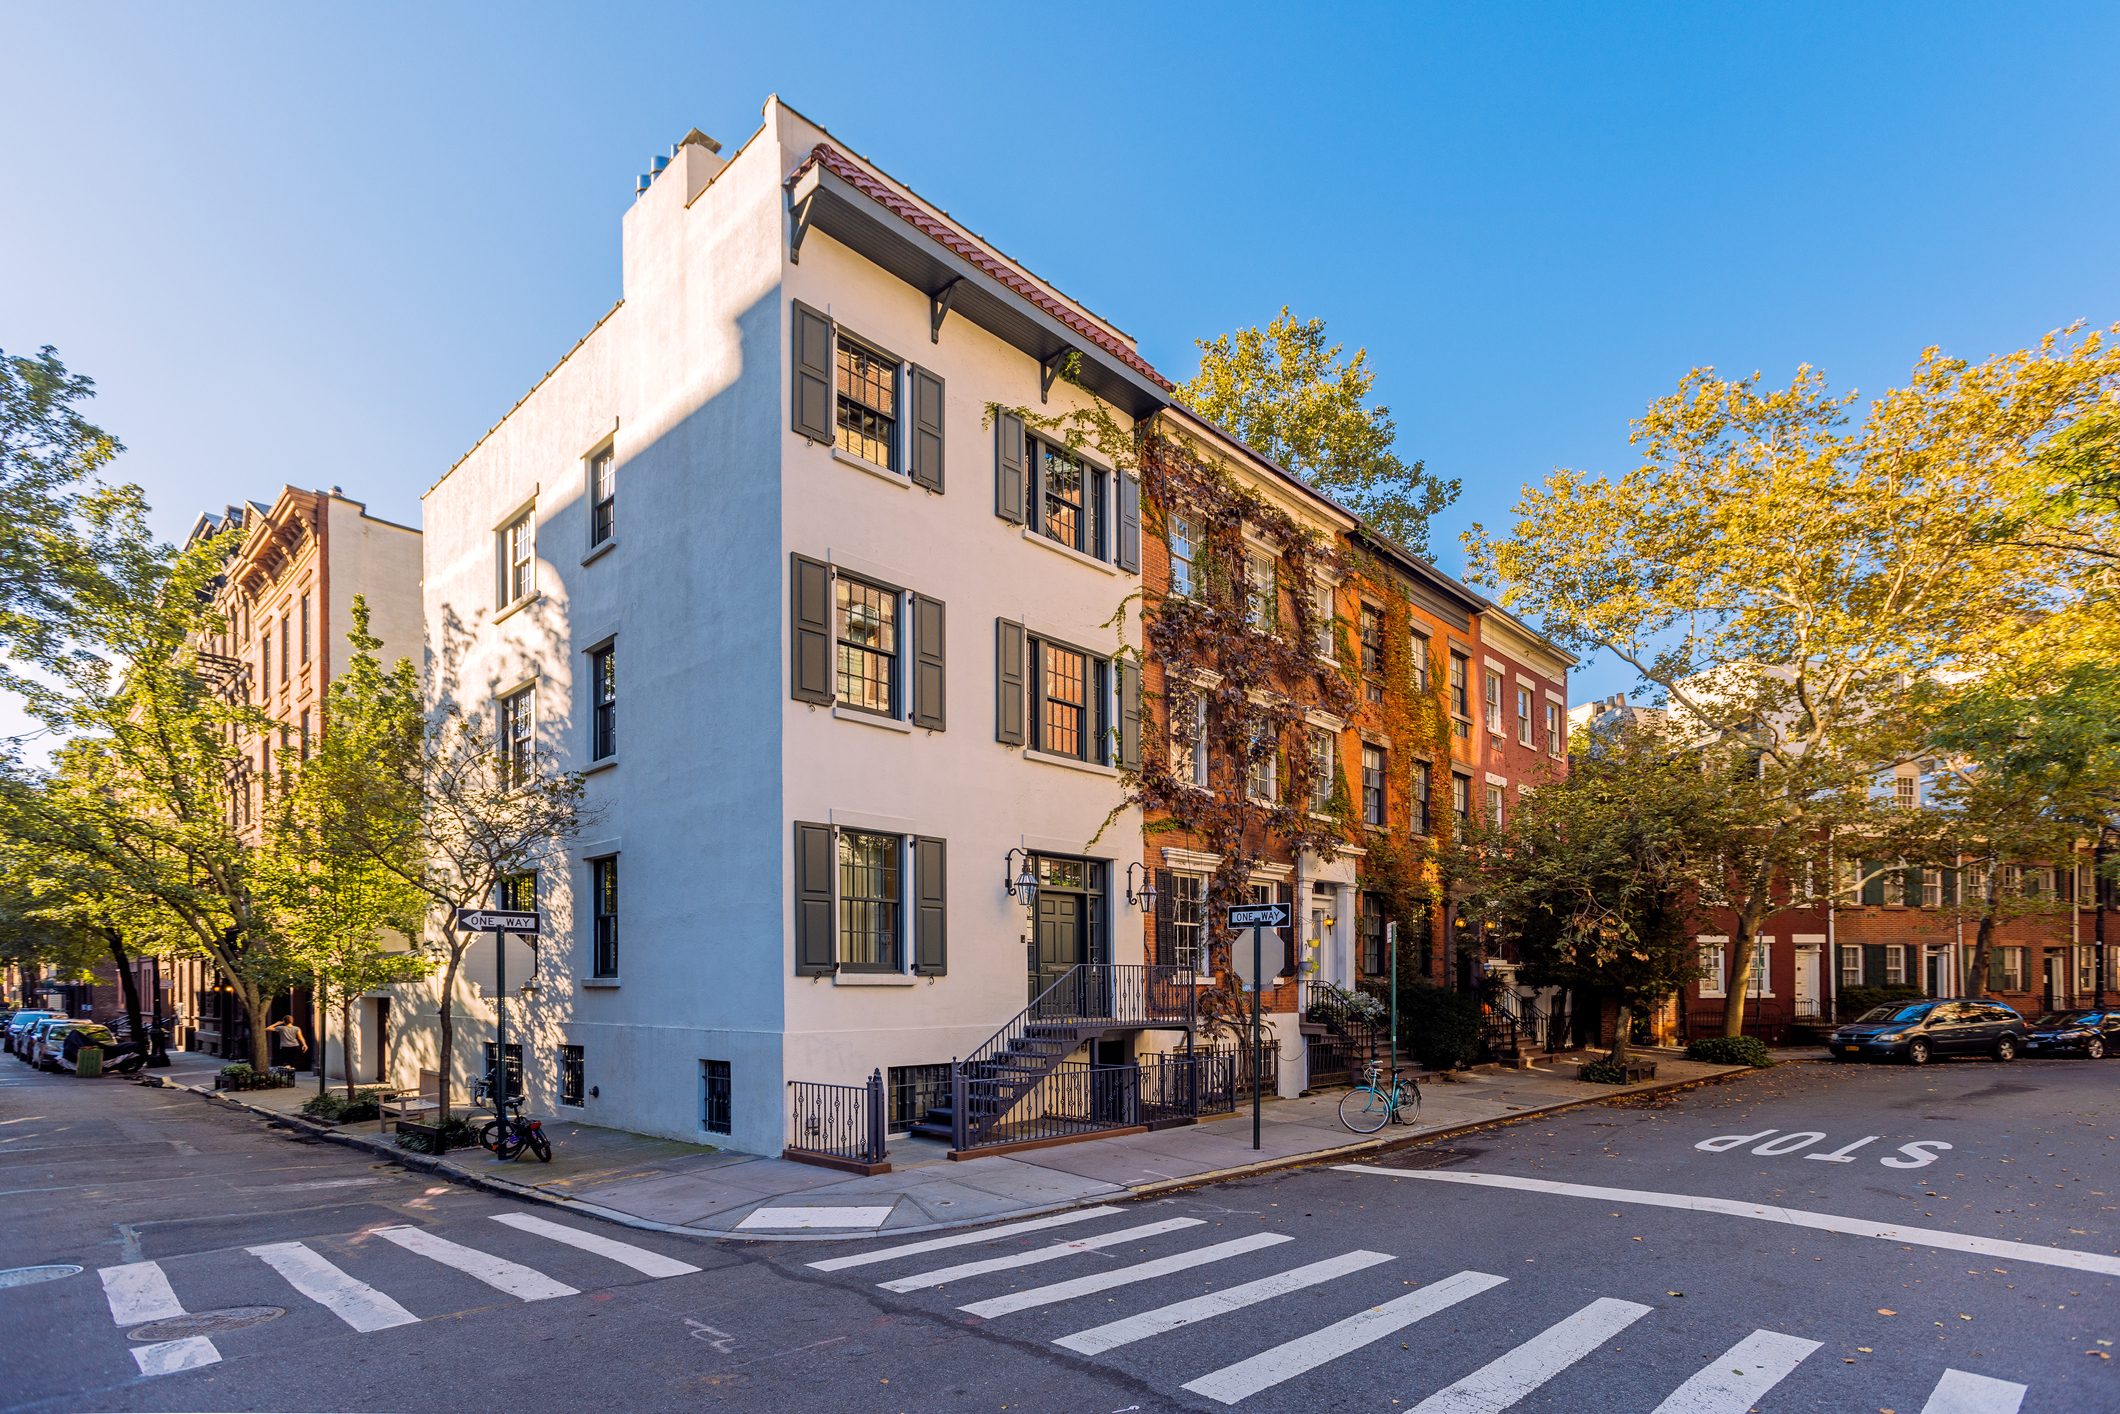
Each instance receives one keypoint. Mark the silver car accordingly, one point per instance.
(42, 1050)
(18, 1027)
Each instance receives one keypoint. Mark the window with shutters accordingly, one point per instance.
(1895, 965)
(518, 560)
(603, 702)
(1188, 921)
(870, 900)
(1523, 716)
(1373, 794)
(572, 1090)
(1423, 785)
(866, 403)
(1069, 692)
(1179, 534)
(1850, 967)
(865, 633)
(2013, 969)
(516, 728)
(1069, 499)
(1932, 888)
(1323, 768)
(603, 903)
(1372, 635)
(603, 496)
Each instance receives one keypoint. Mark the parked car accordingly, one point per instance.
(70, 1042)
(51, 1037)
(2090, 1034)
(1922, 1031)
(18, 1026)
(31, 1047)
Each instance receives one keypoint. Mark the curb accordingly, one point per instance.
(423, 1163)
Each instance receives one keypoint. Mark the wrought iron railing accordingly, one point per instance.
(1543, 1028)
(844, 1122)
(1350, 1037)
(1498, 1031)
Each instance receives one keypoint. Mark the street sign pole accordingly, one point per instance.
(1391, 945)
(500, 1034)
(1258, 1053)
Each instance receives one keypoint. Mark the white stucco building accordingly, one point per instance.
(829, 639)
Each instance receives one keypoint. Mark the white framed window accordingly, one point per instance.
(603, 497)
(518, 559)
(1188, 921)
(2011, 961)
(2086, 968)
(1523, 716)
(1553, 729)
(1906, 792)
(1262, 776)
(866, 403)
(1494, 702)
(1321, 765)
(516, 735)
(1180, 533)
(1188, 758)
(1069, 498)
(1895, 965)
(1761, 983)
(1324, 613)
(1259, 608)
(1850, 967)
(1421, 648)
(871, 901)
(1932, 888)
(1714, 963)
(1374, 793)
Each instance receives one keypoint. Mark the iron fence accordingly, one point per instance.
(843, 1122)
(914, 1090)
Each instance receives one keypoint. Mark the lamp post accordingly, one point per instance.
(2101, 899)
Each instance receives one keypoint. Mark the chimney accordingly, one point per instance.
(699, 157)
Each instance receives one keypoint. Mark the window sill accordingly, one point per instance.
(599, 551)
(1095, 768)
(873, 979)
(846, 458)
(518, 606)
(606, 763)
(599, 981)
(1068, 551)
(871, 719)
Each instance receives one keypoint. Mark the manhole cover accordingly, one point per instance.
(232, 1318)
(24, 1276)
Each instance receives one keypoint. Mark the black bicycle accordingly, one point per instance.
(507, 1135)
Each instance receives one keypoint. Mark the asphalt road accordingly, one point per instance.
(1636, 1257)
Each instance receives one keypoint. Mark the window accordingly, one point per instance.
(867, 404)
(865, 632)
(1895, 887)
(868, 901)
(1761, 983)
(265, 661)
(1494, 806)
(517, 893)
(1372, 653)
(1324, 614)
(1494, 702)
(571, 1090)
(305, 733)
(1188, 929)
(516, 733)
(1373, 785)
(265, 765)
(1932, 888)
(1188, 758)
(1369, 937)
(714, 1097)
(1068, 498)
(1421, 650)
(2086, 969)
(1714, 975)
(286, 658)
(603, 496)
(1262, 769)
(1461, 800)
(1070, 716)
(2012, 961)
(518, 559)
(1905, 792)
(603, 905)
(1259, 603)
(1423, 783)
(603, 702)
(1553, 729)
(305, 628)
(1183, 551)
(1895, 966)
(515, 1065)
(1459, 669)
(1850, 967)
(1523, 716)
(1322, 769)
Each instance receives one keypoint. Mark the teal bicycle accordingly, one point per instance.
(1370, 1106)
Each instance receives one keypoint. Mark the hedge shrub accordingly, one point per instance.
(1730, 1050)
(1440, 1027)
(334, 1108)
(1603, 1071)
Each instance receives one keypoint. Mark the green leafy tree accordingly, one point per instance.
(1290, 393)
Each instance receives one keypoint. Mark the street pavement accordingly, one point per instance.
(1817, 1237)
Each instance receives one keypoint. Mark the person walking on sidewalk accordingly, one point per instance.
(289, 1045)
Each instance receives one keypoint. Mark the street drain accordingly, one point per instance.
(24, 1276)
(232, 1318)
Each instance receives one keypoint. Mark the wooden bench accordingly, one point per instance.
(414, 1106)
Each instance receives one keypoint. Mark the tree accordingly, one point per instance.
(431, 803)
(1593, 873)
(1780, 572)
(54, 516)
(1291, 395)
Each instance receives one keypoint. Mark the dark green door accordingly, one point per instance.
(1063, 939)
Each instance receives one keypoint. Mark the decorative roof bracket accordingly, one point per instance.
(805, 210)
(939, 307)
(1049, 370)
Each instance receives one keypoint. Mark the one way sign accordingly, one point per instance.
(1258, 915)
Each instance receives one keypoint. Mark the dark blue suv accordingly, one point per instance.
(1922, 1031)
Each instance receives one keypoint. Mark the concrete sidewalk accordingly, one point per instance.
(696, 1189)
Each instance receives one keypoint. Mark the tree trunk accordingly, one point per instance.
(346, 1037)
(1737, 981)
(1976, 982)
(319, 1007)
(131, 986)
(258, 1007)
(446, 1013)
(1621, 1030)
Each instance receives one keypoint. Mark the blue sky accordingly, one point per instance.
(331, 245)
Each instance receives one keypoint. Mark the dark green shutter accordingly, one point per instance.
(1166, 920)
(1950, 886)
(814, 931)
(925, 463)
(930, 907)
(1873, 882)
(809, 630)
(1011, 468)
(810, 392)
(1873, 964)
(1128, 551)
(1910, 881)
(928, 676)
(1129, 715)
(1008, 682)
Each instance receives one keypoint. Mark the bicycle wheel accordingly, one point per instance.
(1409, 1106)
(541, 1146)
(489, 1134)
(1364, 1110)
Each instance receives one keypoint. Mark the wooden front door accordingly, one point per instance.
(1062, 939)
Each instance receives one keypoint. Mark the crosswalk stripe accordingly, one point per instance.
(640, 1259)
(1502, 1382)
(1129, 1329)
(1122, 1276)
(1961, 1393)
(1735, 1382)
(942, 1275)
(139, 1292)
(1306, 1352)
(962, 1239)
(166, 1357)
(497, 1272)
(355, 1302)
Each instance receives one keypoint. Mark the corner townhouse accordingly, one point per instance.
(837, 643)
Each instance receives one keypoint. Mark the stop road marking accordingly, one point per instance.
(1915, 1154)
